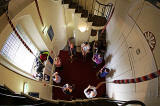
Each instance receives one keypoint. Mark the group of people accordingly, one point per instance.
(97, 53)
(97, 57)
(67, 89)
(40, 64)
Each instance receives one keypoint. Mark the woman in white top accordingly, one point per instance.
(56, 78)
(85, 47)
(90, 92)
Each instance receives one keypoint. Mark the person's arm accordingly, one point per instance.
(86, 93)
(102, 69)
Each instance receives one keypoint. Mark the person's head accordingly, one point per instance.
(46, 77)
(67, 85)
(107, 70)
(89, 90)
(86, 43)
(96, 43)
(55, 59)
(99, 56)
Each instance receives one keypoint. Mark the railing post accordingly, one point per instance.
(98, 8)
(78, 5)
(110, 10)
(92, 6)
(85, 4)
(103, 10)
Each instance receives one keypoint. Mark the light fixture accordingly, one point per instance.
(25, 88)
(83, 28)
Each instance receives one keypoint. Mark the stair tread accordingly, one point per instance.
(79, 9)
(93, 32)
(84, 13)
(66, 1)
(98, 20)
(73, 5)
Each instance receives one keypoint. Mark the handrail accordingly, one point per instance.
(133, 102)
(30, 97)
(12, 96)
(103, 4)
(8, 89)
(155, 3)
(104, 10)
(122, 103)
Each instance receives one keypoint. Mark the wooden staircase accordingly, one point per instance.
(98, 18)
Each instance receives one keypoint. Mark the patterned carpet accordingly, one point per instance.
(80, 73)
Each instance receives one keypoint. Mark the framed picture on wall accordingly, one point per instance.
(50, 32)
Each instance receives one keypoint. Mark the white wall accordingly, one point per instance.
(15, 82)
(30, 29)
(125, 34)
(52, 14)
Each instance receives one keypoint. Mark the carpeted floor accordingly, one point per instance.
(80, 73)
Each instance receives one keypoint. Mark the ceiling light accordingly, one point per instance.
(82, 29)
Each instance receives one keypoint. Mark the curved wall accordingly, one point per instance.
(131, 54)
(28, 18)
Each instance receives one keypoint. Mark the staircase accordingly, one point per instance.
(8, 97)
(99, 14)
(93, 14)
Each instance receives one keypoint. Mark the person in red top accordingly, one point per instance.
(58, 63)
(43, 56)
(72, 49)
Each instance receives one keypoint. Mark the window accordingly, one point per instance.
(16, 53)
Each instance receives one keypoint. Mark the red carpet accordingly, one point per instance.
(81, 74)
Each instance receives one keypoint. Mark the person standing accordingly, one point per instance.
(58, 63)
(72, 50)
(90, 92)
(85, 47)
(56, 78)
(67, 89)
(103, 72)
(97, 59)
